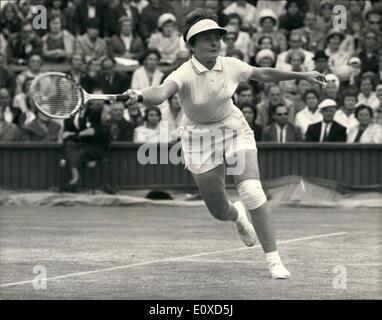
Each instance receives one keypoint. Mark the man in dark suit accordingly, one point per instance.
(281, 130)
(326, 130)
(111, 81)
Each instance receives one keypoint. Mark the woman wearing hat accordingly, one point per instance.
(268, 22)
(338, 58)
(166, 41)
(215, 136)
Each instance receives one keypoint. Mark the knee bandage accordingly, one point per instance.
(251, 193)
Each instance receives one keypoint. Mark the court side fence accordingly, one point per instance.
(36, 166)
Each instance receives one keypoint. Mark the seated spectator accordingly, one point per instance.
(246, 11)
(3, 50)
(166, 41)
(85, 141)
(378, 111)
(23, 45)
(295, 60)
(332, 89)
(369, 54)
(365, 131)
(120, 129)
(265, 58)
(172, 116)
(77, 72)
(292, 19)
(41, 129)
(139, 4)
(9, 132)
(58, 43)
(10, 22)
(126, 44)
(373, 19)
(151, 131)
(325, 19)
(277, 6)
(127, 10)
(312, 38)
(338, 59)
(149, 17)
(148, 74)
(250, 114)
(96, 11)
(33, 69)
(367, 95)
(7, 77)
(297, 97)
(268, 22)
(355, 75)
(244, 95)
(235, 53)
(264, 42)
(295, 43)
(281, 130)
(92, 70)
(345, 115)
(10, 114)
(109, 80)
(326, 130)
(133, 114)
(274, 98)
(90, 45)
(228, 41)
(22, 102)
(58, 8)
(321, 60)
(310, 114)
(242, 39)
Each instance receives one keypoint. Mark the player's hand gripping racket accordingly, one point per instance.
(58, 96)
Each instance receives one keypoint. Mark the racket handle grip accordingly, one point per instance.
(122, 97)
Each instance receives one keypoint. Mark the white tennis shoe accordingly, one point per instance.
(244, 226)
(278, 271)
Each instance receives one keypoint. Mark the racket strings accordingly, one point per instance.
(56, 95)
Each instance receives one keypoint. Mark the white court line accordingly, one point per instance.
(289, 263)
(168, 260)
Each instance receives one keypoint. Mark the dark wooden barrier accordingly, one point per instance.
(35, 166)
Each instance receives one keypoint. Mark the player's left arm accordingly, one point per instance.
(275, 75)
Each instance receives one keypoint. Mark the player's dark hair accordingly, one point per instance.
(193, 17)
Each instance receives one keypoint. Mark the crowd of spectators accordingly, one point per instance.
(111, 46)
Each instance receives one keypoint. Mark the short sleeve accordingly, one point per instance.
(241, 69)
(179, 76)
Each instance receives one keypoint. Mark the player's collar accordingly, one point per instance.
(201, 68)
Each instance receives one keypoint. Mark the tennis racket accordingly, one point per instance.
(58, 96)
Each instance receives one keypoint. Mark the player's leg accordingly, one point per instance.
(212, 189)
(251, 193)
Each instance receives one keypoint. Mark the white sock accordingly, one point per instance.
(273, 257)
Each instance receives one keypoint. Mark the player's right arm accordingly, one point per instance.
(153, 95)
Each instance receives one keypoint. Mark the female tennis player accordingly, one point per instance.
(205, 85)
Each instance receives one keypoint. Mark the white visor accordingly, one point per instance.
(204, 25)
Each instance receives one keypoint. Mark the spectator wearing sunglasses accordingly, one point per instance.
(281, 130)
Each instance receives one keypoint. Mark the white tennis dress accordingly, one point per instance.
(213, 129)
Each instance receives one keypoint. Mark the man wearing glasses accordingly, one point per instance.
(281, 130)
